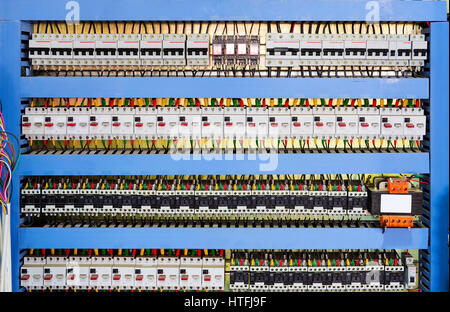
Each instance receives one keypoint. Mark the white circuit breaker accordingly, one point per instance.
(123, 272)
(282, 49)
(414, 123)
(78, 272)
(197, 49)
(213, 273)
(55, 272)
(392, 123)
(301, 123)
(106, 49)
(32, 272)
(151, 49)
(100, 272)
(167, 122)
(190, 122)
(168, 273)
(369, 125)
(324, 122)
(78, 123)
(279, 122)
(174, 49)
(190, 273)
(145, 123)
(100, 123)
(257, 126)
(33, 123)
(145, 273)
(346, 123)
(234, 122)
(122, 123)
(55, 123)
(212, 122)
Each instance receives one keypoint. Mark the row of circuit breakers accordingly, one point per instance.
(298, 271)
(324, 272)
(78, 123)
(222, 200)
(122, 272)
(282, 50)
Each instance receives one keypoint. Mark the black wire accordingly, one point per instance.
(109, 28)
(117, 27)
(269, 30)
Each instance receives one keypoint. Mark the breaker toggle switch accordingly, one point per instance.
(116, 277)
(48, 277)
(94, 277)
(342, 124)
(409, 125)
(161, 278)
(387, 125)
(139, 277)
(25, 277)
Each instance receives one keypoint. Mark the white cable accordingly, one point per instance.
(5, 269)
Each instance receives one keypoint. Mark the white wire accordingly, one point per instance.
(5, 269)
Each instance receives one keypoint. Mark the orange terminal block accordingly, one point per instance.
(397, 186)
(397, 221)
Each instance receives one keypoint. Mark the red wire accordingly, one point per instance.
(418, 181)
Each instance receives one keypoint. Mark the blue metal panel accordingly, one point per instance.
(10, 104)
(392, 88)
(250, 10)
(224, 238)
(238, 163)
(439, 128)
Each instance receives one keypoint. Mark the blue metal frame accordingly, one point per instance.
(13, 19)
(439, 147)
(390, 88)
(229, 10)
(224, 238)
(227, 164)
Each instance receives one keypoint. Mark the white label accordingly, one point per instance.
(395, 203)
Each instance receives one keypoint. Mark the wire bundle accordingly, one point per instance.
(9, 157)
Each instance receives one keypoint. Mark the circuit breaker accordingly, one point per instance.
(234, 122)
(324, 122)
(279, 122)
(282, 49)
(197, 46)
(151, 49)
(257, 123)
(174, 50)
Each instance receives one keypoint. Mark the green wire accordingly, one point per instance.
(346, 102)
(366, 102)
(322, 101)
